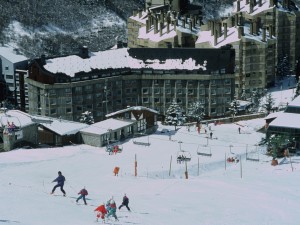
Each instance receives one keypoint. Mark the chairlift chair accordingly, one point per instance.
(8, 119)
(183, 156)
(204, 151)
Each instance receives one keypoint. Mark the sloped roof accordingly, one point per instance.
(61, 127)
(104, 126)
(132, 108)
(19, 118)
(8, 53)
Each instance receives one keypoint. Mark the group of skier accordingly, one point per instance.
(104, 210)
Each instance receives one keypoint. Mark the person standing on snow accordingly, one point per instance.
(125, 202)
(112, 209)
(101, 212)
(82, 194)
(60, 183)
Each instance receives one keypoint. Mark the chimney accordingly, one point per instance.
(271, 31)
(238, 6)
(147, 26)
(183, 23)
(225, 30)
(271, 3)
(241, 19)
(240, 32)
(212, 23)
(254, 2)
(43, 59)
(254, 27)
(161, 26)
(193, 21)
(247, 2)
(236, 19)
(264, 34)
(219, 27)
(168, 26)
(155, 26)
(216, 38)
(140, 13)
(134, 12)
(175, 23)
(251, 7)
(260, 3)
(191, 25)
(84, 52)
(251, 27)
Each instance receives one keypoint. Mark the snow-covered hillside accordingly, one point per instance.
(215, 193)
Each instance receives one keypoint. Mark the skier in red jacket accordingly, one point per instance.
(101, 212)
(82, 194)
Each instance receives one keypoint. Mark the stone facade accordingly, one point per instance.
(104, 91)
(266, 30)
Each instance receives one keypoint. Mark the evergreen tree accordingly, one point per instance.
(234, 106)
(269, 103)
(255, 99)
(196, 111)
(174, 115)
(297, 91)
(283, 67)
(87, 118)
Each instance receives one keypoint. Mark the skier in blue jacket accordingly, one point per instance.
(60, 183)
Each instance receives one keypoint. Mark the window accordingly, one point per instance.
(68, 90)
(190, 91)
(156, 91)
(168, 100)
(53, 111)
(78, 89)
(145, 90)
(145, 100)
(156, 100)
(168, 91)
(68, 100)
(52, 92)
(88, 87)
(213, 91)
(9, 77)
(68, 110)
(79, 108)
(52, 101)
(227, 90)
(6, 67)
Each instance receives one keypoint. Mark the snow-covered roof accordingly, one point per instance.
(288, 120)
(295, 102)
(256, 9)
(104, 126)
(132, 108)
(19, 118)
(115, 59)
(156, 37)
(232, 36)
(61, 127)
(273, 115)
(10, 55)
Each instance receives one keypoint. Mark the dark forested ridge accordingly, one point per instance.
(57, 27)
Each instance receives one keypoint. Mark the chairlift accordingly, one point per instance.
(10, 123)
(114, 148)
(204, 151)
(251, 156)
(139, 135)
(183, 156)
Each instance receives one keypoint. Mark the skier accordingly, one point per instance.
(83, 192)
(60, 183)
(211, 134)
(125, 202)
(112, 208)
(101, 212)
(239, 130)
